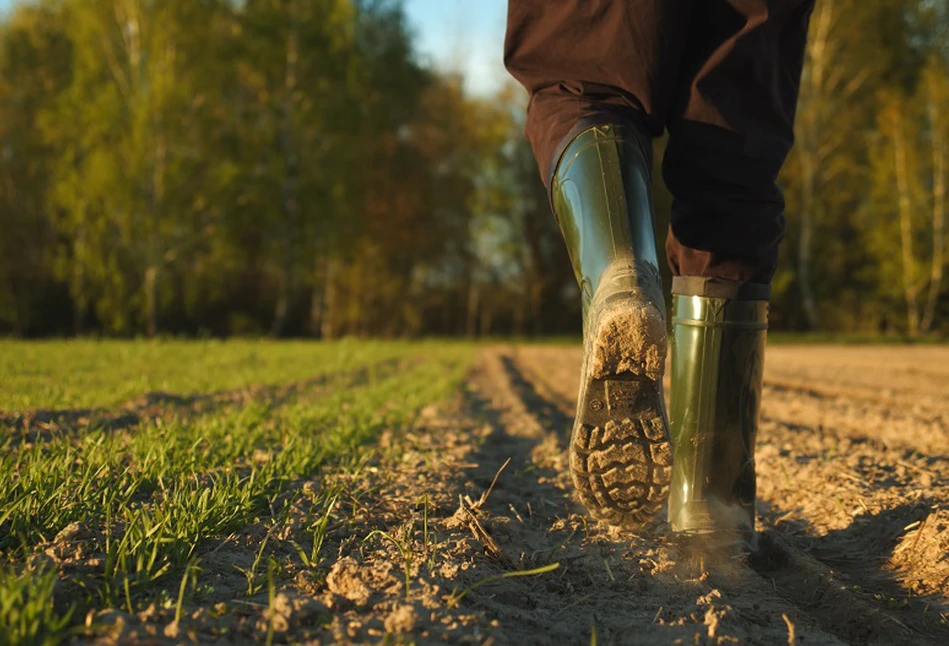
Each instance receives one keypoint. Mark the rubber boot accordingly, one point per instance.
(718, 339)
(619, 453)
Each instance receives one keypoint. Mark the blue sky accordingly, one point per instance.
(460, 35)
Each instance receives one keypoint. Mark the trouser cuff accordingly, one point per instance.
(720, 288)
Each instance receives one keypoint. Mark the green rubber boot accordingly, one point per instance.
(719, 330)
(619, 453)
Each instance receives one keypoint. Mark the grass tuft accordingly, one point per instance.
(27, 612)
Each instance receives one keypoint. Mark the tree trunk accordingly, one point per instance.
(288, 187)
(485, 320)
(354, 310)
(78, 289)
(471, 319)
(20, 310)
(151, 300)
(813, 92)
(808, 206)
(520, 314)
(283, 305)
(330, 298)
(906, 226)
(939, 207)
(155, 243)
(316, 297)
(536, 298)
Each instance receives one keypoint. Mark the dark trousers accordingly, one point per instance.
(722, 76)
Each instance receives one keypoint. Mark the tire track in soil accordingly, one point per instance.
(840, 578)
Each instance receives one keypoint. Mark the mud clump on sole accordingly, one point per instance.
(630, 339)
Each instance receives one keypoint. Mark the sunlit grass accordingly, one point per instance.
(85, 373)
(151, 500)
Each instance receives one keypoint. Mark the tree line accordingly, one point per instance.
(290, 167)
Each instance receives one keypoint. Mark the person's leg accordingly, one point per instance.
(601, 75)
(731, 128)
(587, 62)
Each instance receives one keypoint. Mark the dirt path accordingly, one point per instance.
(854, 472)
(466, 530)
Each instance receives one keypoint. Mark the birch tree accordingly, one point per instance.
(934, 91)
(828, 87)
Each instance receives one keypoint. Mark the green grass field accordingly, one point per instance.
(129, 462)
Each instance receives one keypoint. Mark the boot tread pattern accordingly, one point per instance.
(620, 457)
(620, 473)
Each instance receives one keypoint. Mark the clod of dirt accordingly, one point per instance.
(75, 543)
(41, 561)
(291, 610)
(119, 624)
(720, 619)
(172, 630)
(401, 620)
(71, 532)
(922, 556)
(274, 619)
(344, 579)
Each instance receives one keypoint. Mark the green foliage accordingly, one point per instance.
(34, 68)
(270, 165)
(849, 265)
(288, 167)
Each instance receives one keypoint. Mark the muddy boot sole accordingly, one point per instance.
(620, 457)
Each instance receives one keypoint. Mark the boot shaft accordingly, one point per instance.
(600, 192)
(717, 366)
